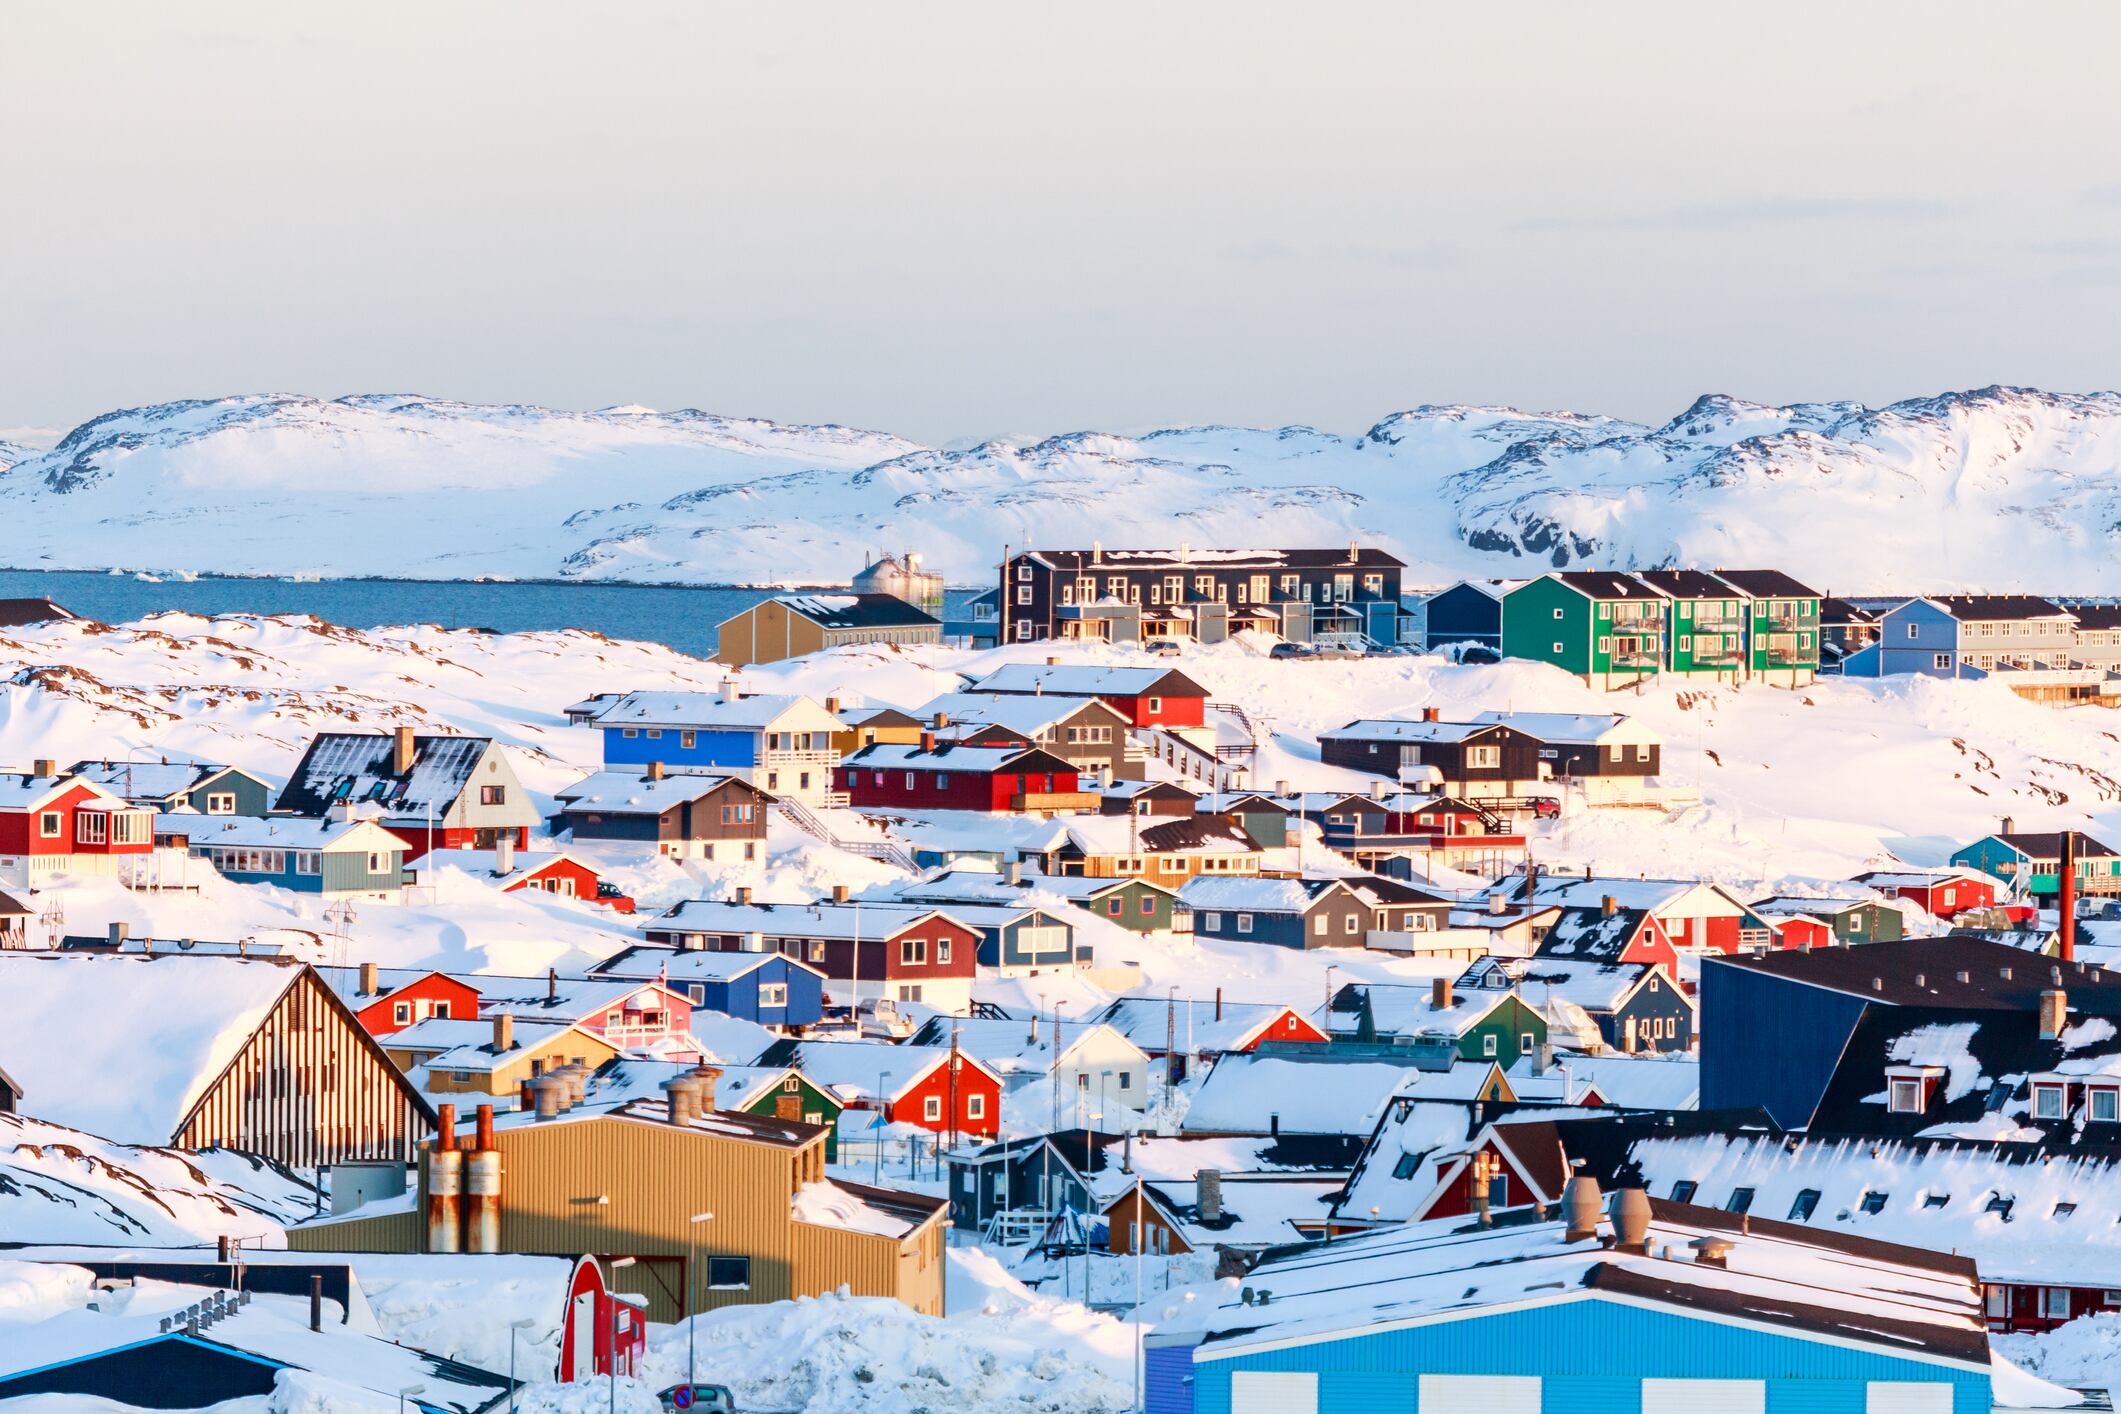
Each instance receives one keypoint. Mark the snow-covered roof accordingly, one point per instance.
(947, 756)
(1202, 1024)
(125, 1046)
(1086, 680)
(1128, 834)
(1256, 894)
(964, 882)
(356, 766)
(626, 793)
(1258, 1210)
(1391, 729)
(647, 961)
(856, 1207)
(1407, 1009)
(1027, 714)
(823, 919)
(1396, 1173)
(562, 998)
(1568, 728)
(468, 1045)
(855, 611)
(712, 711)
(1248, 1093)
(1593, 985)
(22, 790)
(1780, 1277)
(486, 863)
(1009, 1048)
(854, 1069)
(1670, 1081)
(143, 781)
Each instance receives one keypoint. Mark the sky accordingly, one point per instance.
(955, 221)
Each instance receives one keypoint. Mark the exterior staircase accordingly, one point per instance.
(801, 816)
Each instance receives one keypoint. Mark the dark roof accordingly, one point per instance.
(2101, 616)
(1998, 606)
(18, 613)
(12, 907)
(1386, 890)
(1606, 584)
(1120, 561)
(1592, 934)
(1999, 977)
(878, 717)
(360, 761)
(1189, 831)
(1841, 611)
(959, 756)
(2005, 1046)
(865, 611)
(2049, 846)
(1685, 584)
(1767, 584)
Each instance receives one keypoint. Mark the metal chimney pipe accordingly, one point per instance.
(316, 1303)
(482, 1189)
(2067, 900)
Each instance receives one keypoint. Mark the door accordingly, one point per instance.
(1274, 1392)
(1480, 1394)
(1701, 1396)
(1907, 1397)
(582, 1337)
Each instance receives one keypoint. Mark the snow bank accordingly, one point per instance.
(2085, 1351)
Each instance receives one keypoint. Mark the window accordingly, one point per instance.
(1244, 922)
(1807, 1201)
(1352, 923)
(221, 803)
(1683, 1191)
(1126, 1080)
(773, 994)
(728, 1273)
(1914, 631)
(932, 1108)
(817, 950)
(1873, 1201)
(90, 827)
(1605, 645)
(1905, 1097)
(1483, 757)
(1407, 1167)
(2047, 1102)
(942, 950)
(1489, 1046)
(1557, 648)
(1156, 704)
(1023, 629)
(655, 733)
(2000, 1206)
(913, 952)
(49, 824)
(375, 862)
(975, 1107)
(2063, 1210)
(1940, 660)
(1113, 906)
(493, 795)
(1686, 643)
(1023, 594)
(1321, 925)
(1741, 1201)
(1557, 613)
(630, 732)
(1526, 1042)
(401, 1013)
(1935, 1200)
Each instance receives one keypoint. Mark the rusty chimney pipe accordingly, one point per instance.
(482, 1189)
(2067, 900)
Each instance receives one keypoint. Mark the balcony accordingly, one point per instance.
(1786, 623)
(1789, 657)
(1055, 802)
(1638, 658)
(1719, 622)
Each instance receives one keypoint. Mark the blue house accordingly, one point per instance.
(1288, 913)
(1016, 939)
(337, 858)
(1664, 1308)
(1967, 636)
(780, 744)
(1468, 612)
(766, 987)
(166, 784)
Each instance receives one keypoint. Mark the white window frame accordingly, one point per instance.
(221, 802)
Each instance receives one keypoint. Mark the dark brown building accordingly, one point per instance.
(683, 816)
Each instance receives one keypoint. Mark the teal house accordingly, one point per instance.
(167, 784)
(337, 858)
(1663, 1308)
(1606, 628)
(2032, 864)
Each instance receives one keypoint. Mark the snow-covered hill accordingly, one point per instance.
(1996, 489)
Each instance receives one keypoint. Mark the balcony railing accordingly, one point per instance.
(1789, 655)
(1057, 801)
(1719, 622)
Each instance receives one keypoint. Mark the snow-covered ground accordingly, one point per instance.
(1993, 489)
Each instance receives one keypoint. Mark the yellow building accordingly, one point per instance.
(809, 623)
(626, 1182)
(492, 1057)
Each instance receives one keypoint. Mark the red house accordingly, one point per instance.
(54, 824)
(1148, 697)
(957, 777)
(932, 1087)
(550, 871)
(601, 1331)
(1942, 892)
(1612, 935)
(386, 1004)
(908, 952)
(1521, 1164)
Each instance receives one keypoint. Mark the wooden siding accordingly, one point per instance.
(309, 1088)
(347, 871)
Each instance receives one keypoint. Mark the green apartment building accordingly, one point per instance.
(1782, 631)
(1707, 624)
(1606, 628)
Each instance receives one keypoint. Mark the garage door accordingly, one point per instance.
(1907, 1397)
(1481, 1394)
(1704, 1397)
(1273, 1392)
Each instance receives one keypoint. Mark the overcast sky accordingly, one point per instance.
(960, 220)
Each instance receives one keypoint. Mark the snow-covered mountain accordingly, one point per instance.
(2001, 488)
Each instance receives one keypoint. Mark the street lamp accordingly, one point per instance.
(1331, 968)
(611, 1364)
(409, 1390)
(513, 1326)
(692, 1263)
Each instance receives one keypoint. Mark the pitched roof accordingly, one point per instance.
(1257, 894)
(649, 961)
(1186, 834)
(1565, 728)
(625, 793)
(822, 919)
(709, 710)
(1196, 559)
(1592, 933)
(2097, 616)
(855, 611)
(855, 1069)
(1926, 972)
(955, 756)
(1767, 584)
(1843, 611)
(1248, 1093)
(1606, 584)
(281, 832)
(1391, 729)
(1027, 714)
(12, 907)
(1200, 1024)
(149, 780)
(2049, 846)
(1686, 584)
(165, 1028)
(20, 613)
(2016, 607)
(356, 766)
(1088, 680)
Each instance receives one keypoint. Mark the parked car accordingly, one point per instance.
(1291, 650)
(1161, 647)
(705, 1399)
(1335, 650)
(1544, 807)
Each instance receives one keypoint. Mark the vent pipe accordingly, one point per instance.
(1631, 1220)
(482, 1188)
(445, 1185)
(2067, 899)
(1580, 1203)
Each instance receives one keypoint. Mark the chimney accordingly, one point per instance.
(1281, 787)
(1432, 714)
(1126, 1152)
(44, 766)
(1097, 552)
(2054, 1013)
(2066, 901)
(401, 752)
(1354, 554)
(482, 1188)
(548, 1089)
(504, 856)
(832, 706)
(1631, 1220)
(1609, 905)
(730, 692)
(1580, 1203)
(942, 719)
(1208, 1194)
(371, 979)
(655, 770)
(743, 894)
(1052, 662)
(1185, 551)
(316, 1302)
(1498, 902)
(552, 985)
(839, 893)
(2010, 826)
(706, 1077)
(680, 1098)
(1378, 789)
(118, 934)
(1440, 993)
(504, 1035)
(1218, 1010)
(1013, 872)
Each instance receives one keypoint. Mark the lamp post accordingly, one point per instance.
(514, 1326)
(1331, 968)
(611, 1365)
(1104, 1077)
(692, 1280)
(409, 1390)
(1141, 1240)
(876, 1152)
